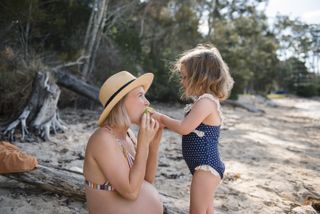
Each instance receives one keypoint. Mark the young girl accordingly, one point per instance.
(205, 77)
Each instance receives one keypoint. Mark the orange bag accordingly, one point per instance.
(14, 160)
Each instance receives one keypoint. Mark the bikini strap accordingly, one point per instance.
(130, 134)
(105, 186)
(126, 153)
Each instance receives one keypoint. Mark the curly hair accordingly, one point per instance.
(206, 72)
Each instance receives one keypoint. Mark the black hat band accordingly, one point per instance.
(117, 92)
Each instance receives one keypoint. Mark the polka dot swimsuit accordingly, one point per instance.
(200, 147)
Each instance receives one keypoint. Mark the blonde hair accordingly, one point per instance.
(118, 116)
(206, 72)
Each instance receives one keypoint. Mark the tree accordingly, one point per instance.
(315, 49)
(294, 37)
(248, 47)
(93, 35)
(170, 28)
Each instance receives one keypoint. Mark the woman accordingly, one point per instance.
(119, 169)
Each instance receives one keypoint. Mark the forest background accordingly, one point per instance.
(103, 37)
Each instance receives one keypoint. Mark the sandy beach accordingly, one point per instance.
(272, 161)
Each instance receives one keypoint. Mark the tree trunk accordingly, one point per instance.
(55, 180)
(93, 35)
(73, 83)
(41, 112)
(250, 108)
(71, 184)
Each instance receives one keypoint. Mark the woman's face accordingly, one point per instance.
(135, 103)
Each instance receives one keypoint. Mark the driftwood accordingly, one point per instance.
(54, 180)
(74, 84)
(40, 114)
(248, 107)
(70, 184)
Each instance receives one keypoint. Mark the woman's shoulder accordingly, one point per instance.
(101, 138)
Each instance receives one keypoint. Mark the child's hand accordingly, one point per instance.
(156, 115)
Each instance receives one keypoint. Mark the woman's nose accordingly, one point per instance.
(146, 102)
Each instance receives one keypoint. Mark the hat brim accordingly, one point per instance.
(144, 80)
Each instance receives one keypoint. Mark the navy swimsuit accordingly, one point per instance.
(200, 147)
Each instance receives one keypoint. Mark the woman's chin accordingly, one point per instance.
(136, 122)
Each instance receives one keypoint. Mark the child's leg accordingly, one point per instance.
(202, 191)
(210, 209)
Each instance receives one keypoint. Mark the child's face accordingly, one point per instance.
(183, 76)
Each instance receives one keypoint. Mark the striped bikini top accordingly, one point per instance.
(130, 158)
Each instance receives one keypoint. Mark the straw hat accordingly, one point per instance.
(117, 86)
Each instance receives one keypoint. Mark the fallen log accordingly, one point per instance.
(77, 85)
(54, 180)
(71, 184)
(248, 107)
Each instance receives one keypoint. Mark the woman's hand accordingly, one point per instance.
(148, 129)
(154, 145)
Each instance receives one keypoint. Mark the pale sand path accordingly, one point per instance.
(272, 162)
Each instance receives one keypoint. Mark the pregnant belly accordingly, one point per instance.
(148, 201)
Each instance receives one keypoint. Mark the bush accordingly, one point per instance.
(16, 76)
(306, 90)
(233, 95)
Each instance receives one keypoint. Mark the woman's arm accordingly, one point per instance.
(152, 162)
(108, 154)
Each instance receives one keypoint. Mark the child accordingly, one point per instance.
(205, 77)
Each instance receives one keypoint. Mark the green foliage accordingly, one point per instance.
(44, 26)
(148, 36)
(307, 90)
(249, 50)
(16, 78)
(294, 76)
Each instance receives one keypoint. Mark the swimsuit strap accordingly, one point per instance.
(131, 138)
(215, 100)
(126, 153)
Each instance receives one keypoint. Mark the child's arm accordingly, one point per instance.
(199, 112)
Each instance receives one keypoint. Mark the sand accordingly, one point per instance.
(272, 161)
